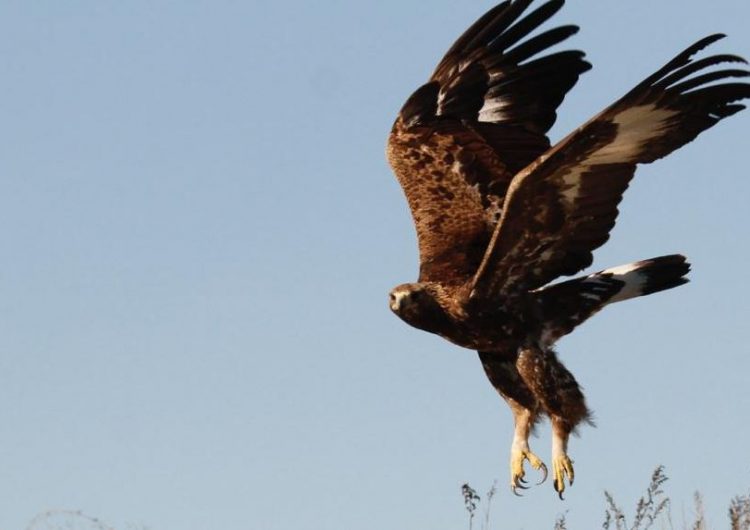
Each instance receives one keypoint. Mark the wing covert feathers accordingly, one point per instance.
(562, 207)
(440, 172)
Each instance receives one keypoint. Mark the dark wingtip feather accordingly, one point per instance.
(701, 44)
(489, 25)
(681, 59)
(540, 42)
(526, 25)
(683, 72)
(664, 272)
(705, 79)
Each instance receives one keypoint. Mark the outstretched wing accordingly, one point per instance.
(460, 138)
(562, 207)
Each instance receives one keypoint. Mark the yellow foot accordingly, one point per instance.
(517, 473)
(562, 466)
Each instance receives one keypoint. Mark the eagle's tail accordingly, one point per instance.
(570, 303)
(643, 277)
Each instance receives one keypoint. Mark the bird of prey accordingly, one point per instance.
(500, 212)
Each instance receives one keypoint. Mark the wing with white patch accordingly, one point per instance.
(493, 79)
(563, 206)
(460, 138)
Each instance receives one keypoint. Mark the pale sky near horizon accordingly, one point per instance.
(199, 232)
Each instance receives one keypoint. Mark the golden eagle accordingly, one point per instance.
(500, 213)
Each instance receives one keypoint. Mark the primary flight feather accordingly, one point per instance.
(500, 213)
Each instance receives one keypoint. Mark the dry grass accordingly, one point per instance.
(472, 500)
(653, 505)
(72, 520)
(739, 513)
(652, 508)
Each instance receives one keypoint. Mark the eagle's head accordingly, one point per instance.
(418, 305)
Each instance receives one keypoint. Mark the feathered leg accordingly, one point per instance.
(557, 391)
(503, 374)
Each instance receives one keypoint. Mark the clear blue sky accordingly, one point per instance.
(199, 231)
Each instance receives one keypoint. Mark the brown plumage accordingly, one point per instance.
(499, 213)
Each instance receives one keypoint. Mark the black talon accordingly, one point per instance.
(543, 469)
(521, 479)
(559, 489)
(515, 486)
